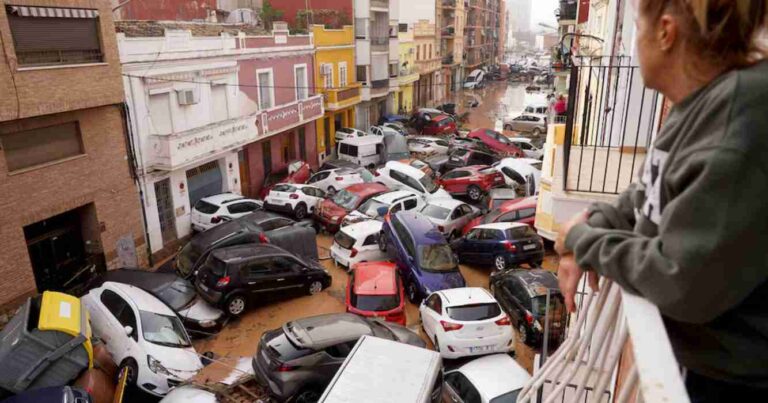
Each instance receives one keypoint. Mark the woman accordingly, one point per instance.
(691, 235)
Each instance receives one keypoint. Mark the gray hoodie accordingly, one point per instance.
(692, 235)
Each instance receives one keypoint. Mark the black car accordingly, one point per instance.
(336, 163)
(299, 360)
(523, 296)
(235, 277)
(199, 318)
(463, 157)
(501, 244)
(257, 227)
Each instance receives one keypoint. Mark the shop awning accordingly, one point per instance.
(53, 12)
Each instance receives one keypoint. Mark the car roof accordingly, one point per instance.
(520, 140)
(247, 251)
(502, 225)
(389, 197)
(363, 140)
(495, 374)
(405, 168)
(318, 332)
(142, 299)
(366, 189)
(375, 278)
(222, 198)
(446, 203)
(146, 280)
(421, 228)
(466, 296)
(523, 202)
(537, 281)
(362, 229)
(497, 193)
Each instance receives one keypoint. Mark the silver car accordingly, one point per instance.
(527, 122)
(297, 361)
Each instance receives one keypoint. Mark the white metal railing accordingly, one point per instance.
(585, 367)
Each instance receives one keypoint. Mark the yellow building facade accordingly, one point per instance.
(335, 79)
(408, 72)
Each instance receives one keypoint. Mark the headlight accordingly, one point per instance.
(335, 218)
(156, 367)
(207, 323)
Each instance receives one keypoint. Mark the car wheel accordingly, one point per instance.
(308, 396)
(413, 293)
(315, 287)
(508, 127)
(500, 263)
(129, 364)
(474, 193)
(382, 242)
(524, 336)
(236, 305)
(300, 211)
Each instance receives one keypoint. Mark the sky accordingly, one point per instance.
(543, 11)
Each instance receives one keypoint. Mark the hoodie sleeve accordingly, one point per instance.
(614, 216)
(710, 252)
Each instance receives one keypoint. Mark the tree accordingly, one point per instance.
(270, 14)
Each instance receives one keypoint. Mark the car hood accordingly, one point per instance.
(199, 310)
(442, 280)
(183, 363)
(189, 394)
(439, 194)
(330, 209)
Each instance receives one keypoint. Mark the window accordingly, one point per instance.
(160, 113)
(362, 74)
(326, 70)
(409, 204)
(113, 302)
(458, 213)
(360, 28)
(341, 350)
(266, 157)
(302, 87)
(257, 268)
(435, 303)
(402, 27)
(35, 147)
(239, 208)
(509, 217)
(462, 387)
(45, 36)
(393, 69)
(371, 240)
(343, 75)
(526, 213)
(266, 90)
(218, 103)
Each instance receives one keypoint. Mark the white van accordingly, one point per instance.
(363, 151)
(474, 79)
(402, 373)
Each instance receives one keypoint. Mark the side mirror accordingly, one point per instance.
(382, 211)
(128, 330)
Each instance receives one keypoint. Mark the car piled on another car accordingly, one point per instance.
(474, 181)
(211, 211)
(500, 244)
(330, 213)
(375, 290)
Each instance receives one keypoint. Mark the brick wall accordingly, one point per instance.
(38, 91)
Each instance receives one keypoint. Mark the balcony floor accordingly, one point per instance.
(587, 170)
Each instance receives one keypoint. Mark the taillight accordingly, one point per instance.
(528, 318)
(448, 326)
(354, 253)
(263, 238)
(339, 178)
(503, 321)
(441, 228)
(376, 173)
(223, 282)
(215, 219)
(294, 196)
(286, 368)
(508, 245)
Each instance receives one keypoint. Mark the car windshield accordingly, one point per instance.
(371, 207)
(437, 212)
(539, 305)
(346, 200)
(377, 303)
(437, 258)
(205, 207)
(344, 240)
(187, 258)
(284, 188)
(509, 397)
(429, 185)
(474, 312)
(177, 294)
(163, 330)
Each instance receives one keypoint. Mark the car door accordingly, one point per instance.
(489, 239)
(239, 209)
(450, 181)
(119, 315)
(458, 389)
(511, 301)
(431, 313)
(518, 124)
(312, 196)
(469, 248)
(460, 217)
(290, 275)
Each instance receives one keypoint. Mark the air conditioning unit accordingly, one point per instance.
(188, 96)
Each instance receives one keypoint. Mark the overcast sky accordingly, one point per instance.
(543, 11)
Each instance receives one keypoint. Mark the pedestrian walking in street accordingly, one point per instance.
(690, 235)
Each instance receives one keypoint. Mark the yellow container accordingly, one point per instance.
(65, 313)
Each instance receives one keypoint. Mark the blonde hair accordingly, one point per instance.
(728, 33)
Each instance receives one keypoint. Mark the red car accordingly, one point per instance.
(473, 181)
(375, 289)
(330, 212)
(440, 125)
(497, 142)
(521, 210)
(296, 172)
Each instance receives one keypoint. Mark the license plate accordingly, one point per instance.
(479, 349)
(529, 247)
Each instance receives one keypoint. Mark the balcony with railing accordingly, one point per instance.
(380, 43)
(567, 10)
(446, 4)
(340, 98)
(448, 32)
(380, 4)
(379, 87)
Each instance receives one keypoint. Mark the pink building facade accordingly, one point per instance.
(276, 79)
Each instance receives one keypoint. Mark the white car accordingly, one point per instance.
(449, 215)
(189, 394)
(357, 243)
(211, 211)
(299, 200)
(142, 334)
(493, 378)
(399, 176)
(334, 180)
(466, 321)
(519, 172)
(348, 133)
(530, 150)
(392, 202)
(424, 146)
(382, 130)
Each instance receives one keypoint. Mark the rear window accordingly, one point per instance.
(344, 240)
(520, 232)
(377, 303)
(440, 213)
(216, 266)
(281, 347)
(474, 312)
(205, 207)
(284, 188)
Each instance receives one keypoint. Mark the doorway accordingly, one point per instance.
(165, 213)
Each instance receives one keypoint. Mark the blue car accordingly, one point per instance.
(500, 244)
(423, 256)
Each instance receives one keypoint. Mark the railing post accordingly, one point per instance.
(569, 122)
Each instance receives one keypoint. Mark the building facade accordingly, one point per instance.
(374, 38)
(335, 80)
(409, 74)
(429, 88)
(69, 198)
(451, 18)
(482, 34)
(166, 10)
